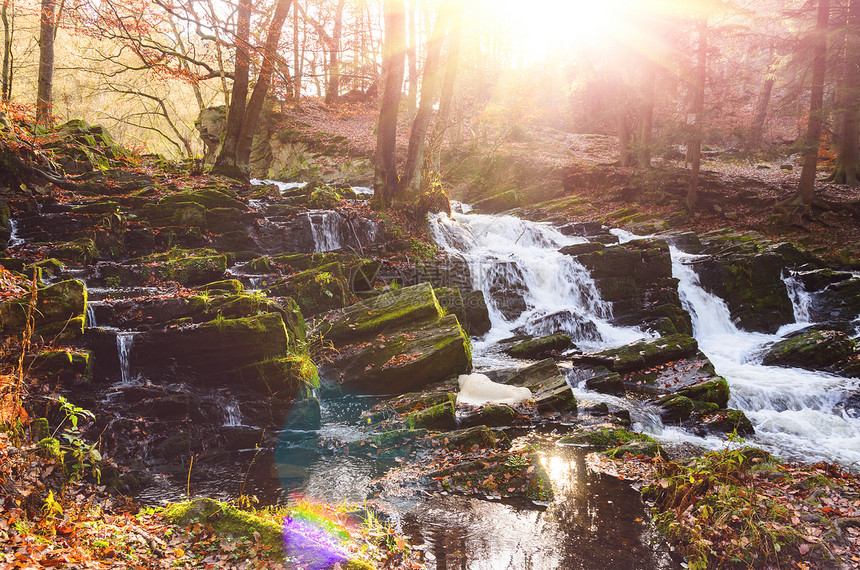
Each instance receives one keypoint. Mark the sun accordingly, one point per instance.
(540, 29)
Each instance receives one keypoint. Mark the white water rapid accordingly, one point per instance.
(795, 412)
(529, 286)
(124, 342)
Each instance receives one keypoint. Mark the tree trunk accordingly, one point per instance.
(446, 101)
(44, 104)
(695, 146)
(393, 67)
(761, 105)
(806, 186)
(261, 88)
(225, 163)
(429, 93)
(297, 67)
(412, 58)
(646, 119)
(623, 137)
(333, 92)
(6, 87)
(846, 171)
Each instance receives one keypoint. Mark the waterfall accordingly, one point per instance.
(14, 240)
(529, 286)
(91, 316)
(232, 414)
(282, 186)
(124, 342)
(796, 413)
(801, 300)
(327, 229)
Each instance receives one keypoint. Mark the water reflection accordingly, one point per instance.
(595, 521)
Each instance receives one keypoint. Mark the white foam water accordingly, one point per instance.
(521, 258)
(124, 343)
(796, 413)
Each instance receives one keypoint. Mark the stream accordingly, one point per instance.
(595, 521)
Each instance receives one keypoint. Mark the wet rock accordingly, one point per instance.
(506, 475)
(224, 287)
(752, 287)
(69, 368)
(190, 270)
(819, 279)
(404, 359)
(470, 309)
(636, 277)
(675, 408)
(441, 417)
(582, 229)
(82, 250)
(613, 441)
(814, 350)
(538, 348)
(715, 391)
(728, 421)
(466, 439)
(646, 353)
(498, 203)
(316, 290)
(839, 301)
(507, 288)
(601, 379)
(535, 376)
(581, 248)
(494, 415)
(59, 312)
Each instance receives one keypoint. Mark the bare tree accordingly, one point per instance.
(44, 100)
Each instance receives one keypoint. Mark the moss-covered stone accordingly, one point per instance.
(466, 439)
(814, 350)
(224, 287)
(186, 271)
(437, 418)
(186, 214)
(315, 290)
(675, 408)
(58, 313)
(208, 198)
(614, 441)
(64, 366)
(715, 391)
(227, 520)
(728, 421)
(538, 348)
(498, 203)
(82, 250)
(389, 311)
(647, 353)
(286, 377)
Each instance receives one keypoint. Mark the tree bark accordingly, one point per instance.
(332, 93)
(806, 186)
(44, 101)
(297, 66)
(762, 102)
(446, 100)
(6, 87)
(412, 58)
(646, 116)
(393, 67)
(261, 88)
(695, 146)
(225, 163)
(847, 166)
(429, 93)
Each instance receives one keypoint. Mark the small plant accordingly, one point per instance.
(113, 282)
(84, 455)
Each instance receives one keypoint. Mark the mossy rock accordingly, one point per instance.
(466, 439)
(227, 520)
(405, 360)
(500, 202)
(600, 379)
(65, 366)
(615, 441)
(208, 198)
(674, 408)
(558, 399)
(814, 350)
(729, 421)
(506, 475)
(59, 312)
(186, 214)
(538, 348)
(647, 353)
(224, 287)
(185, 271)
(715, 391)
(316, 290)
(286, 377)
(99, 207)
(81, 251)
(390, 311)
(437, 418)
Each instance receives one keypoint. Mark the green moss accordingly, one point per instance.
(441, 417)
(537, 348)
(225, 287)
(714, 391)
(227, 520)
(81, 250)
(615, 441)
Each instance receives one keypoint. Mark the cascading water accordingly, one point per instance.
(326, 226)
(796, 413)
(124, 342)
(801, 300)
(91, 316)
(14, 239)
(232, 414)
(530, 287)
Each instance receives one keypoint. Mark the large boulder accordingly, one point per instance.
(316, 290)
(752, 287)
(636, 277)
(813, 350)
(645, 353)
(395, 342)
(58, 313)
